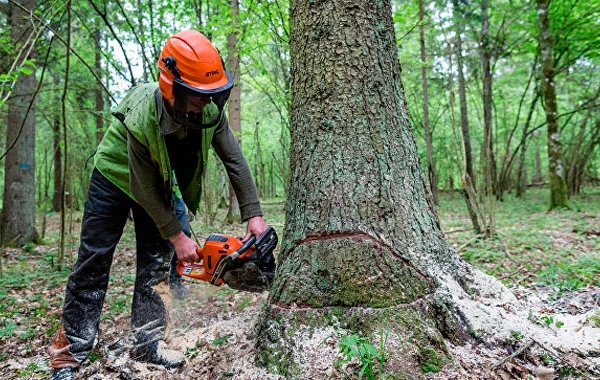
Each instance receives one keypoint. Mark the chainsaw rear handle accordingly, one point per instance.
(244, 246)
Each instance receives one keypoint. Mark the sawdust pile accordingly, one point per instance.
(215, 327)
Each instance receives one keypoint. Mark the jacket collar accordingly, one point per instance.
(166, 124)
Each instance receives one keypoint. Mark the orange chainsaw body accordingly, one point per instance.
(216, 247)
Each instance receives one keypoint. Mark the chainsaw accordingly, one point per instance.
(248, 265)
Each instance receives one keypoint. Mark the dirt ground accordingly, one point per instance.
(214, 326)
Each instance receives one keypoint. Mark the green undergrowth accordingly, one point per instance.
(26, 298)
(532, 246)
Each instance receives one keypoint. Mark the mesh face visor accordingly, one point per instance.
(199, 109)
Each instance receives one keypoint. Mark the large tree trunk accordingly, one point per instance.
(556, 170)
(362, 250)
(362, 244)
(235, 112)
(17, 225)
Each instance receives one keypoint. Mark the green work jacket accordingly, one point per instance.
(133, 155)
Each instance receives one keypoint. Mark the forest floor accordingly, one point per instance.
(554, 256)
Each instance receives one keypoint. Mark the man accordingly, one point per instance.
(154, 151)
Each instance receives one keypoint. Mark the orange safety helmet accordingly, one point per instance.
(192, 72)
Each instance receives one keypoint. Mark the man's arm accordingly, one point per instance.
(149, 191)
(238, 170)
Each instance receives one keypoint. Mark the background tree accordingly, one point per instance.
(266, 67)
(17, 224)
(468, 178)
(426, 126)
(235, 114)
(556, 169)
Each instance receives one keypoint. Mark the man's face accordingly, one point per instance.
(195, 108)
(197, 103)
(194, 103)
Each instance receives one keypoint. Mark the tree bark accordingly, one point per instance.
(17, 225)
(556, 170)
(362, 248)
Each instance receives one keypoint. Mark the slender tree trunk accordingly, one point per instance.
(235, 114)
(489, 183)
(17, 224)
(521, 172)
(428, 138)
(99, 91)
(556, 170)
(468, 178)
(508, 157)
(489, 162)
(57, 202)
(259, 166)
(576, 156)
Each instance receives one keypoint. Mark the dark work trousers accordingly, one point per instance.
(104, 218)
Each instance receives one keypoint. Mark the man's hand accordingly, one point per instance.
(256, 226)
(185, 248)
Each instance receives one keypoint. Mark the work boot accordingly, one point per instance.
(66, 373)
(248, 278)
(159, 354)
(178, 290)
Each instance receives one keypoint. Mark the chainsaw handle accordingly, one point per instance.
(246, 245)
(241, 249)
